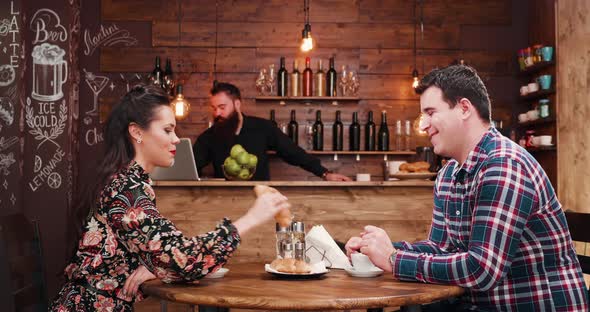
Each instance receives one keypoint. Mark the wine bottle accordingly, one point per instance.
(272, 117)
(307, 86)
(354, 133)
(167, 79)
(370, 133)
(318, 132)
(337, 133)
(383, 133)
(282, 81)
(295, 80)
(331, 79)
(157, 73)
(320, 81)
(293, 128)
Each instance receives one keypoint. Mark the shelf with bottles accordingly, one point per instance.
(283, 100)
(535, 123)
(537, 94)
(358, 154)
(538, 149)
(537, 67)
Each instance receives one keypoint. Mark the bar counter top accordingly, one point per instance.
(222, 183)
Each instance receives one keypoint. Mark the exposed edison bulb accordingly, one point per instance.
(416, 81)
(419, 126)
(180, 105)
(306, 39)
(307, 44)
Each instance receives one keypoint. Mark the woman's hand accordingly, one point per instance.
(264, 208)
(140, 275)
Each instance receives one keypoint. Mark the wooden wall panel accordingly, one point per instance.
(573, 109)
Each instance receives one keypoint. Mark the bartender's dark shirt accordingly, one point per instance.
(257, 136)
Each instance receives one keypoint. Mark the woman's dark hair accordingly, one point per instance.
(457, 82)
(138, 106)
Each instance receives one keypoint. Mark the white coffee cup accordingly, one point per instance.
(524, 90)
(363, 177)
(523, 117)
(533, 87)
(545, 140)
(361, 262)
(536, 140)
(394, 166)
(532, 114)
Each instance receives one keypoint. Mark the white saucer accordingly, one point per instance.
(217, 274)
(373, 272)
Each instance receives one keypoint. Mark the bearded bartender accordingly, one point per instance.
(256, 135)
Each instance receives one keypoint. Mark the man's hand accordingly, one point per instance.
(337, 177)
(135, 280)
(375, 243)
(353, 245)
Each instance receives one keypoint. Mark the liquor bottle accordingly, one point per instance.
(318, 132)
(282, 79)
(157, 73)
(320, 81)
(295, 80)
(383, 133)
(307, 86)
(293, 128)
(354, 133)
(337, 133)
(370, 133)
(272, 117)
(331, 80)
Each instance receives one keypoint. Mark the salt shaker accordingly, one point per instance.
(287, 250)
(283, 235)
(300, 251)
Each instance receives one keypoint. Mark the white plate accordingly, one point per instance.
(217, 274)
(317, 269)
(374, 272)
(413, 175)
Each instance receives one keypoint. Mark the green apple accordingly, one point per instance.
(252, 161)
(244, 174)
(232, 168)
(236, 150)
(243, 158)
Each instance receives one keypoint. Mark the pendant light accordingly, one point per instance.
(180, 105)
(415, 80)
(306, 39)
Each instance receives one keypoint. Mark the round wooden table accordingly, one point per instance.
(247, 285)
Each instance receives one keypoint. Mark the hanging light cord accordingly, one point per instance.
(306, 11)
(179, 37)
(415, 19)
(216, 32)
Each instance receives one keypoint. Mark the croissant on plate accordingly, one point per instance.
(419, 166)
(291, 266)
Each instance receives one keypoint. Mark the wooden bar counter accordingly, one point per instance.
(402, 208)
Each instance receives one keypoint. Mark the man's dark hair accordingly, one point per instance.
(229, 89)
(457, 82)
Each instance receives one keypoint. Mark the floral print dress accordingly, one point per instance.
(128, 231)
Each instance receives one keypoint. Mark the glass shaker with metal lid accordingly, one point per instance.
(298, 232)
(283, 235)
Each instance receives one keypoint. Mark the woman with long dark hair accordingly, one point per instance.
(124, 240)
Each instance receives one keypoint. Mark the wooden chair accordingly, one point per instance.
(21, 265)
(578, 224)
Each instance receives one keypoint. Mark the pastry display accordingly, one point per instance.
(414, 167)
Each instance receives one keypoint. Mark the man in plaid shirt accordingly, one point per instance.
(497, 227)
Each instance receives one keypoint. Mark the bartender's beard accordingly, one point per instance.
(225, 128)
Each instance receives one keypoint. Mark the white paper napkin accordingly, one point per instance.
(321, 246)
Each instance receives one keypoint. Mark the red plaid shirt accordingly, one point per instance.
(498, 230)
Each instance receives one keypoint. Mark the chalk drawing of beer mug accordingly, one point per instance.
(50, 71)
